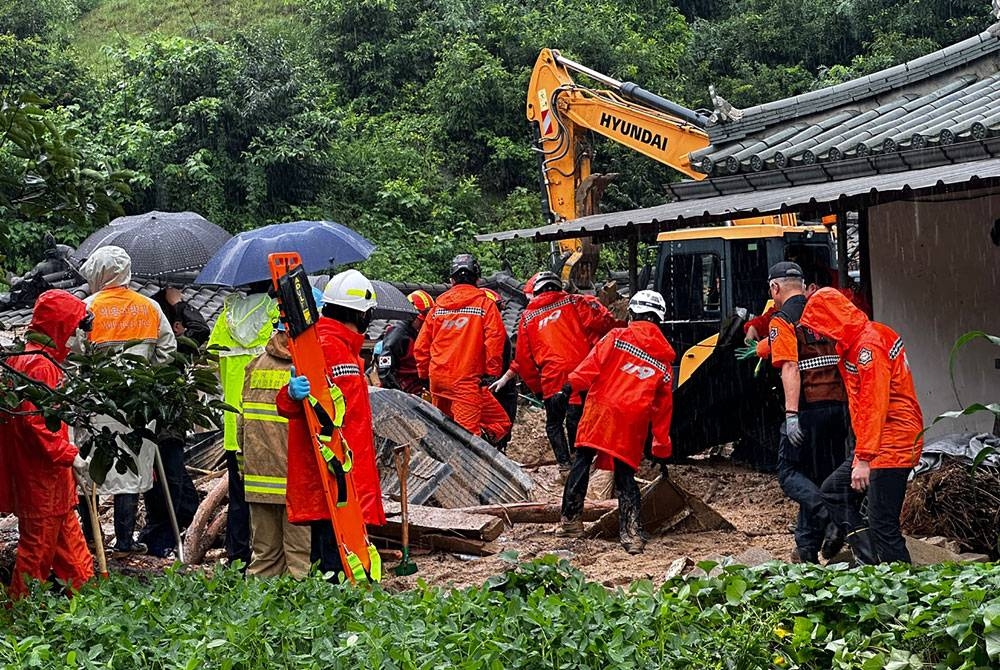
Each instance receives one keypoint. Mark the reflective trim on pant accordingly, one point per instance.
(51, 545)
(279, 547)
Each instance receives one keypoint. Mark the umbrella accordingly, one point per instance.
(160, 243)
(392, 303)
(322, 244)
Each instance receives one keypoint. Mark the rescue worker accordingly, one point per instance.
(122, 315)
(243, 329)
(627, 377)
(37, 465)
(887, 421)
(506, 394)
(278, 546)
(348, 305)
(814, 433)
(557, 330)
(158, 534)
(460, 351)
(397, 368)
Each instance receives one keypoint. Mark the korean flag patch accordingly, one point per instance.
(864, 356)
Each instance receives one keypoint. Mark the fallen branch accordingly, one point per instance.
(203, 529)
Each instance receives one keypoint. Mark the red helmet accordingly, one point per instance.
(529, 286)
(422, 300)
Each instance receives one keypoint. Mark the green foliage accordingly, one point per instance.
(49, 180)
(542, 614)
(151, 400)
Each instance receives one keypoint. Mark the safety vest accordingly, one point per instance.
(122, 315)
(243, 328)
(818, 359)
(263, 433)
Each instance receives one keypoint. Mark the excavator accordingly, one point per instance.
(706, 275)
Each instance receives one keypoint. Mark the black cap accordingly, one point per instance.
(785, 269)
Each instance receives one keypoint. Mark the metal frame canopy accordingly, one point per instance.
(817, 198)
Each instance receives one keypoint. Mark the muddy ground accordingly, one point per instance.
(750, 500)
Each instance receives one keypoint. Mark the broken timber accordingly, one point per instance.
(532, 512)
(442, 529)
(665, 505)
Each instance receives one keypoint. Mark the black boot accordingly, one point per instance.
(862, 547)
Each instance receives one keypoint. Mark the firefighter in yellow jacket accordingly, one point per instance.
(277, 546)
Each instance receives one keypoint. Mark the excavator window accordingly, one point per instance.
(692, 286)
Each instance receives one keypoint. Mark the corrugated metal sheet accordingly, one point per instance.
(651, 220)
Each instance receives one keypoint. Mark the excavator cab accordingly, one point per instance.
(711, 280)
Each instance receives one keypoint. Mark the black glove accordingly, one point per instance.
(561, 397)
(487, 380)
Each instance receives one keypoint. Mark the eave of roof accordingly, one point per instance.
(646, 223)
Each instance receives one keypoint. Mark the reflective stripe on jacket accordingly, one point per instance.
(262, 432)
(885, 412)
(630, 392)
(555, 333)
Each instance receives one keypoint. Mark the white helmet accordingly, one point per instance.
(350, 289)
(648, 302)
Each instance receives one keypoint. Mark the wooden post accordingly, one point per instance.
(865, 255)
(633, 262)
(842, 253)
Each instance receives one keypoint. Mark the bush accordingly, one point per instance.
(542, 614)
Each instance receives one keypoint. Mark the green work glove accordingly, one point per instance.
(748, 351)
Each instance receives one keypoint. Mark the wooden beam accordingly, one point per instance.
(437, 520)
(541, 512)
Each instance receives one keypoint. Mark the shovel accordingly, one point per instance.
(403, 431)
(402, 457)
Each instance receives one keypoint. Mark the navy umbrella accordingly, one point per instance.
(161, 244)
(321, 244)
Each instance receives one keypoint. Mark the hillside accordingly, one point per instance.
(133, 23)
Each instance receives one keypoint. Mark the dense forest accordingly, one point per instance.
(404, 120)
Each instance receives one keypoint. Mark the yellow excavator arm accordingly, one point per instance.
(563, 113)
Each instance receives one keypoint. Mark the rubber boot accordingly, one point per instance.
(861, 545)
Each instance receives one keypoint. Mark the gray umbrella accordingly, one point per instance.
(161, 244)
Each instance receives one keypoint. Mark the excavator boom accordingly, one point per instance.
(564, 113)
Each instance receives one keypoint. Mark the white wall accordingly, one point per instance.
(935, 276)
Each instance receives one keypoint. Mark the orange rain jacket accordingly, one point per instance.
(628, 379)
(556, 332)
(36, 475)
(462, 339)
(883, 402)
(304, 495)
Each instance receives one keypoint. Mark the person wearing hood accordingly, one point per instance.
(556, 331)
(814, 433)
(348, 306)
(122, 315)
(37, 464)
(277, 546)
(241, 333)
(627, 378)
(460, 351)
(887, 422)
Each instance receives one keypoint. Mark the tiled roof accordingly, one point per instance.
(946, 97)
(206, 299)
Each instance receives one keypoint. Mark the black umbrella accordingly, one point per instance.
(161, 244)
(392, 303)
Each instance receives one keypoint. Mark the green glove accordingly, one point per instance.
(747, 352)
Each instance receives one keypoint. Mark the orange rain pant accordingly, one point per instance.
(475, 409)
(51, 545)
